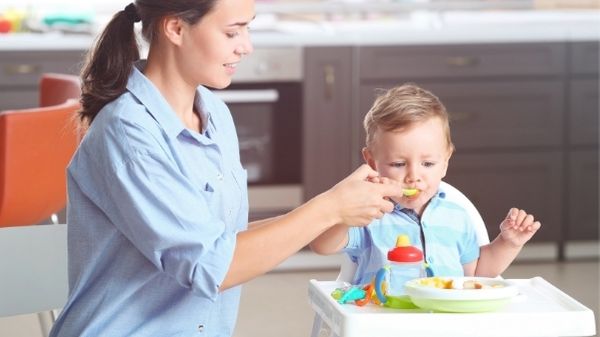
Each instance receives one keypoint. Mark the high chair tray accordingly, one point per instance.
(540, 309)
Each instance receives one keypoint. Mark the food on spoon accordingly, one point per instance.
(409, 192)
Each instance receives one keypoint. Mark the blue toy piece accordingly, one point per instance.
(348, 294)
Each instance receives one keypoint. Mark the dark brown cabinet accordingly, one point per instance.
(581, 221)
(524, 119)
(495, 182)
(327, 121)
(506, 105)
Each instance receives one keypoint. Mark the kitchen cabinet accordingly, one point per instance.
(524, 119)
(582, 219)
(20, 72)
(506, 106)
(327, 123)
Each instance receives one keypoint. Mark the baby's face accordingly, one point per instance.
(417, 157)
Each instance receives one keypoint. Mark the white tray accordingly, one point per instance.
(540, 309)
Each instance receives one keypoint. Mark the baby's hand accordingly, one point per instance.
(518, 227)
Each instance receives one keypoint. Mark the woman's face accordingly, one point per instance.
(212, 48)
(417, 157)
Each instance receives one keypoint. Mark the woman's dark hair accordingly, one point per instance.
(110, 61)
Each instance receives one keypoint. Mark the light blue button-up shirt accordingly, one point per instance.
(153, 213)
(449, 231)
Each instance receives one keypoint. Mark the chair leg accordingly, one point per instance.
(46, 319)
(321, 328)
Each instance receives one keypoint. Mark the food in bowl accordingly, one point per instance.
(450, 283)
(460, 294)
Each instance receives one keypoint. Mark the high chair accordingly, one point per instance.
(348, 267)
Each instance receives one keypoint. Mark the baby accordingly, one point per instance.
(408, 142)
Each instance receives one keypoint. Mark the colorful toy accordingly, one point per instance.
(348, 294)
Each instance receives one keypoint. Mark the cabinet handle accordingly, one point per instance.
(329, 74)
(462, 61)
(21, 69)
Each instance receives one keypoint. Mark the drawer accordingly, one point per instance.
(495, 114)
(495, 182)
(583, 112)
(18, 68)
(462, 60)
(584, 57)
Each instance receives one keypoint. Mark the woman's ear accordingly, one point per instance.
(368, 157)
(172, 27)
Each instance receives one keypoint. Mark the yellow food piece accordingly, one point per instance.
(436, 282)
(409, 192)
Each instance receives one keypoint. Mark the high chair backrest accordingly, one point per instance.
(36, 146)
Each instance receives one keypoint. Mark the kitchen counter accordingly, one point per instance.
(419, 28)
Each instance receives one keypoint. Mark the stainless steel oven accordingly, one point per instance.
(265, 100)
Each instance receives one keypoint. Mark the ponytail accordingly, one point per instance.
(109, 63)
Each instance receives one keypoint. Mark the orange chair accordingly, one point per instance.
(36, 146)
(57, 88)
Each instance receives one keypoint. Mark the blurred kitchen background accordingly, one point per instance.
(519, 78)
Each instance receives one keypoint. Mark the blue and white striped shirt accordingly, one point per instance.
(450, 239)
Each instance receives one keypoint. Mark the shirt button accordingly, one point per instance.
(220, 176)
(201, 328)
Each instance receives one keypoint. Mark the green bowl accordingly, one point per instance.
(495, 294)
(399, 302)
(460, 306)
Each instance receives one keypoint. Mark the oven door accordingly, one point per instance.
(268, 121)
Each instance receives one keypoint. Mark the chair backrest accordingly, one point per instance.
(57, 88)
(348, 267)
(36, 146)
(34, 269)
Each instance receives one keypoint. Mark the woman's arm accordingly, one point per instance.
(353, 202)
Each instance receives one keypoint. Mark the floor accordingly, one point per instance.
(276, 305)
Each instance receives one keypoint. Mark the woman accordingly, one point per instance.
(158, 234)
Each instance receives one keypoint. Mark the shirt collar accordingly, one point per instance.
(157, 106)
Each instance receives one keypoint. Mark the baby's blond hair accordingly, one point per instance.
(402, 107)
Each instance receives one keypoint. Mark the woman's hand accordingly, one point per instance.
(362, 197)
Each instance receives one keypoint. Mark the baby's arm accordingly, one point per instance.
(515, 231)
(331, 241)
